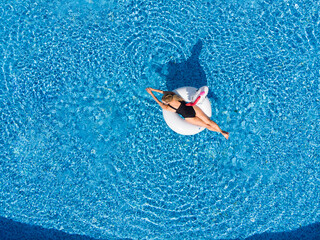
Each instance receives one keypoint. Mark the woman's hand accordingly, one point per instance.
(149, 90)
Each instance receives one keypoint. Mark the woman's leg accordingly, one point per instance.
(197, 121)
(200, 114)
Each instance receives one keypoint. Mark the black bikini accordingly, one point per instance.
(185, 111)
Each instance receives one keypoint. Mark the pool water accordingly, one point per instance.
(85, 150)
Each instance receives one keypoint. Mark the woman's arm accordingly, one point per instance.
(160, 91)
(149, 90)
(156, 90)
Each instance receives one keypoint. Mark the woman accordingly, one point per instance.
(192, 114)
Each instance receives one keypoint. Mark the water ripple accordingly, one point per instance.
(84, 149)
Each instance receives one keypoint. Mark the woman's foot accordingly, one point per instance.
(225, 134)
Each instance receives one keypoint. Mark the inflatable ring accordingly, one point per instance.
(189, 94)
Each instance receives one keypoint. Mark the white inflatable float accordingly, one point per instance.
(193, 95)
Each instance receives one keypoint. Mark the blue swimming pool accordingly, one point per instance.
(85, 150)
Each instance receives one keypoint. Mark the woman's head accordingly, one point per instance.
(169, 96)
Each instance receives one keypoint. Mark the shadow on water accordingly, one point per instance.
(185, 73)
(309, 232)
(10, 230)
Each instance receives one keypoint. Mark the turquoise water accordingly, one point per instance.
(85, 150)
